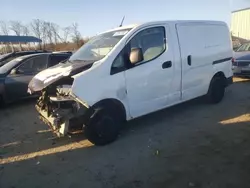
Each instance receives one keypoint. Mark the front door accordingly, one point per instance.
(150, 82)
(17, 83)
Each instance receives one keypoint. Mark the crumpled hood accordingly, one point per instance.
(55, 73)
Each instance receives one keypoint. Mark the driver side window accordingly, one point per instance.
(151, 41)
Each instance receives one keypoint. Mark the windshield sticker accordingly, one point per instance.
(120, 33)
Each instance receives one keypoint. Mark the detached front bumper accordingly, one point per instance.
(61, 120)
(60, 129)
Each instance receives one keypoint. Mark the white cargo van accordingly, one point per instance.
(131, 71)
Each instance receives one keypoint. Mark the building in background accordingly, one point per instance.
(240, 26)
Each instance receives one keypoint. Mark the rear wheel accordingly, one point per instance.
(102, 127)
(216, 90)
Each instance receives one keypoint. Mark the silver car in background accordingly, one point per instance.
(241, 60)
(241, 65)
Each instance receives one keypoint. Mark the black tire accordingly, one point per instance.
(102, 127)
(2, 103)
(216, 90)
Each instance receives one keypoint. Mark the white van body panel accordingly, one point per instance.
(95, 89)
(147, 88)
(205, 43)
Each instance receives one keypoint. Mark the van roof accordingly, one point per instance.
(122, 28)
(166, 21)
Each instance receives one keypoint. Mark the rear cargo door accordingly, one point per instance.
(196, 62)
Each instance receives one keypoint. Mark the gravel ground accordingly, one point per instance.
(189, 145)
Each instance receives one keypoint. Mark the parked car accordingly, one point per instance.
(9, 56)
(244, 49)
(132, 71)
(16, 74)
(241, 60)
(241, 65)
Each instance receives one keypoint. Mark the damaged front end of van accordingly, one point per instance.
(74, 95)
(57, 106)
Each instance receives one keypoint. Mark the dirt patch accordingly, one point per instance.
(189, 145)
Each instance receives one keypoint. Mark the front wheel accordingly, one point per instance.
(216, 90)
(102, 127)
(2, 102)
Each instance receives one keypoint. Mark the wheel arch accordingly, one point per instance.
(220, 75)
(113, 104)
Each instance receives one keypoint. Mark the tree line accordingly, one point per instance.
(51, 34)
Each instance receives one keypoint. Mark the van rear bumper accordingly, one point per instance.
(229, 81)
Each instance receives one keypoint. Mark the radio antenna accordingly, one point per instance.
(122, 21)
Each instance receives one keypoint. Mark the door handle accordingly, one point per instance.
(189, 60)
(167, 64)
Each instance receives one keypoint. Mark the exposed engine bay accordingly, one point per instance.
(57, 106)
(60, 110)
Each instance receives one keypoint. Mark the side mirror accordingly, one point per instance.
(136, 55)
(14, 71)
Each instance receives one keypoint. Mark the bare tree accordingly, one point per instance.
(66, 32)
(55, 32)
(16, 27)
(36, 27)
(4, 28)
(46, 33)
(50, 33)
(76, 35)
(26, 30)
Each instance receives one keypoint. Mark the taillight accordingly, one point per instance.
(234, 62)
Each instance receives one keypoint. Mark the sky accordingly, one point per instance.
(94, 16)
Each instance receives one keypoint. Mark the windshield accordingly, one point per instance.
(99, 46)
(244, 47)
(8, 66)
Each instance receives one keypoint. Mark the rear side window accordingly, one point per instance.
(151, 41)
(55, 59)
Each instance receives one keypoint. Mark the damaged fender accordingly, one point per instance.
(69, 90)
